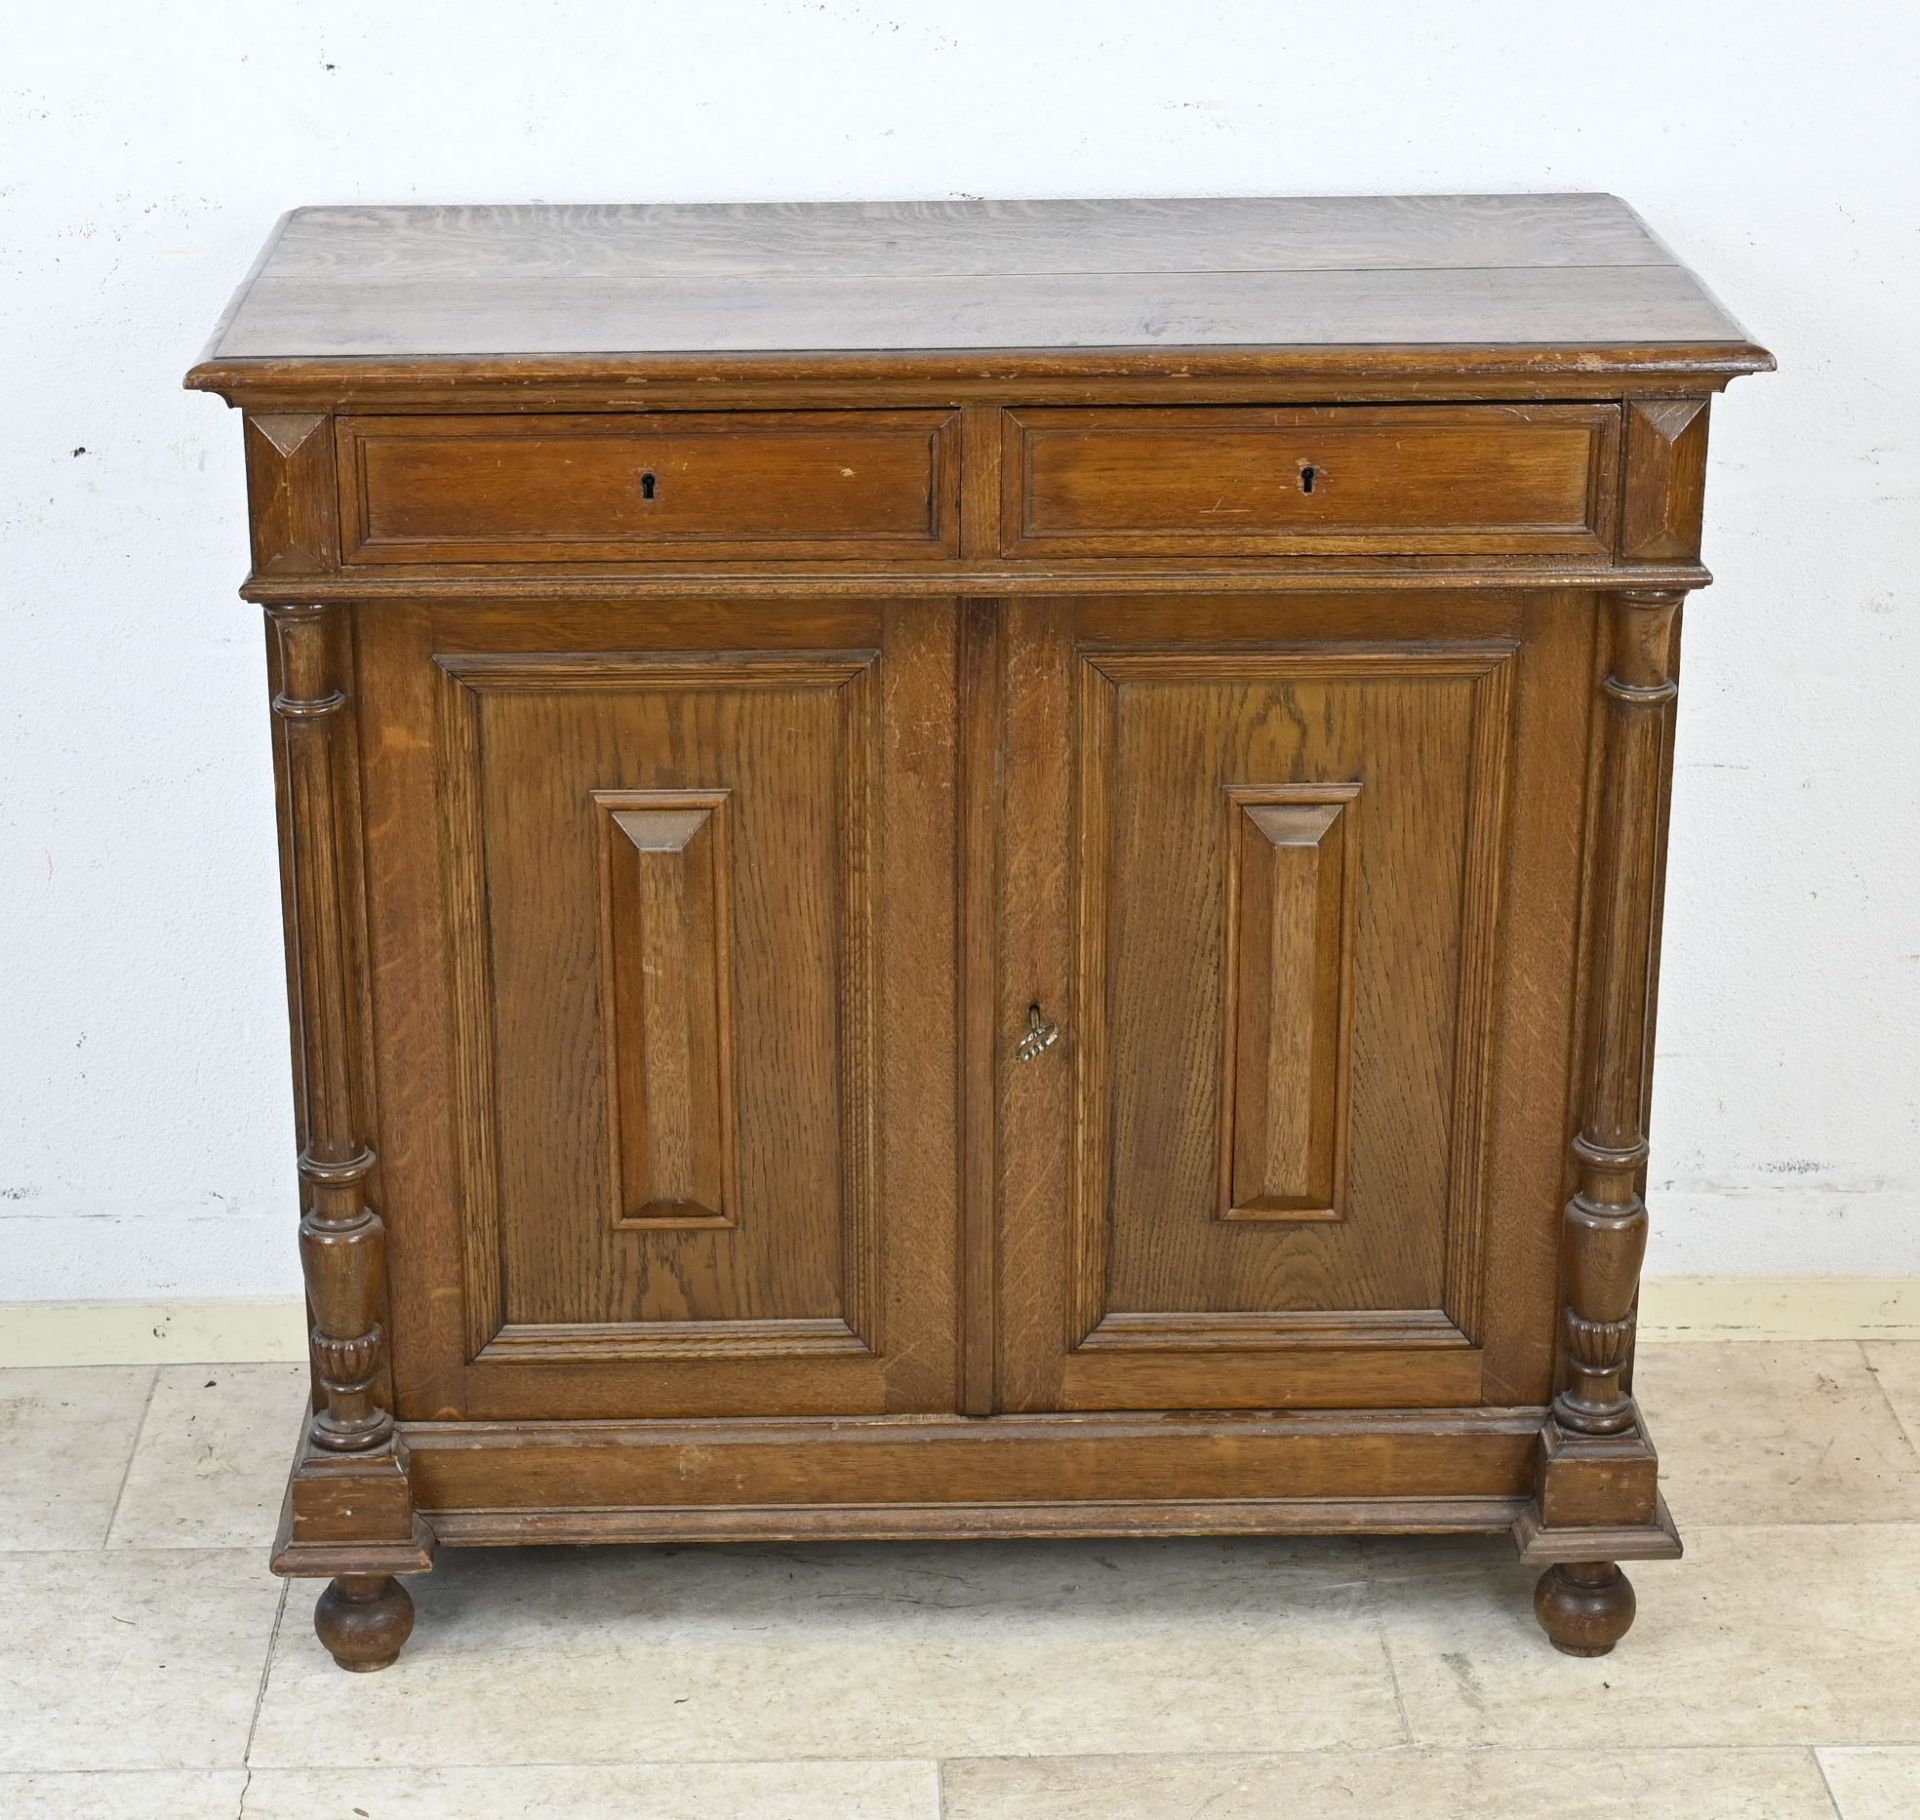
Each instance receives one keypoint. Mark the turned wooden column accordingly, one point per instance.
(1606, 1220)
(342, 1242)
(362, 1618)
(1596, 1497)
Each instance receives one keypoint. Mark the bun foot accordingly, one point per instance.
(1585, 1607)
(364, 1620)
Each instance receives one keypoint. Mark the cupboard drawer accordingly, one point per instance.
(1231, 481)
(633, 487)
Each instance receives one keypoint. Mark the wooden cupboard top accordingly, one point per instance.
(1411, 284)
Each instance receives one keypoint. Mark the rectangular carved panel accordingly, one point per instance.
(660, 871)
(1291, 860)
(1280, 1065)
(666, 961)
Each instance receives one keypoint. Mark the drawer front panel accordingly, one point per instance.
(1402, 479)
(629, 487)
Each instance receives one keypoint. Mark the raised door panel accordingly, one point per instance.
(623, 1075)
(1282, 947)
(666, 1005)
(1219, 947)
(695, 1092)
(1287, 1013)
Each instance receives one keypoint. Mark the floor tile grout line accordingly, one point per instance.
(1911, 1439)
(249, 1549)
(1709, 1748)
(1820, 1770)
(1377, 1609)
(133, 1453)
(1300, 1755)
(1300, 1752)
(260, 1692)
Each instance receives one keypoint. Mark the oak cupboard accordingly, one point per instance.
(972, 868)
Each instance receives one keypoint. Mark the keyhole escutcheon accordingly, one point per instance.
(648, 485)
(1309, 474)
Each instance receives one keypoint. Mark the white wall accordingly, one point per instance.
(145, 150)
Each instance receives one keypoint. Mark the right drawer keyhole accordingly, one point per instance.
(1308, 475)
(647, 486)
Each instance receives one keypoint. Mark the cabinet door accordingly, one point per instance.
(1297, 877)
(661, 904)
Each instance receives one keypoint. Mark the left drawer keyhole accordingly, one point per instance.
(1308, 475)
(648, 486)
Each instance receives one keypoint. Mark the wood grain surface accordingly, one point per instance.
(1271, 272)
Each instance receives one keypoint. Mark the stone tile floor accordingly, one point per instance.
(153, 1668)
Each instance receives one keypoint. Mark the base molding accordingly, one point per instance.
(968, 1522)
(1541, 1546)
(904, 1478)
(683, 1475)
(324, 1560)
(885, 1479)
(350, 1514)
(1595, 1498)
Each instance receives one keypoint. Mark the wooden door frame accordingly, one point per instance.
(1502, 1354)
